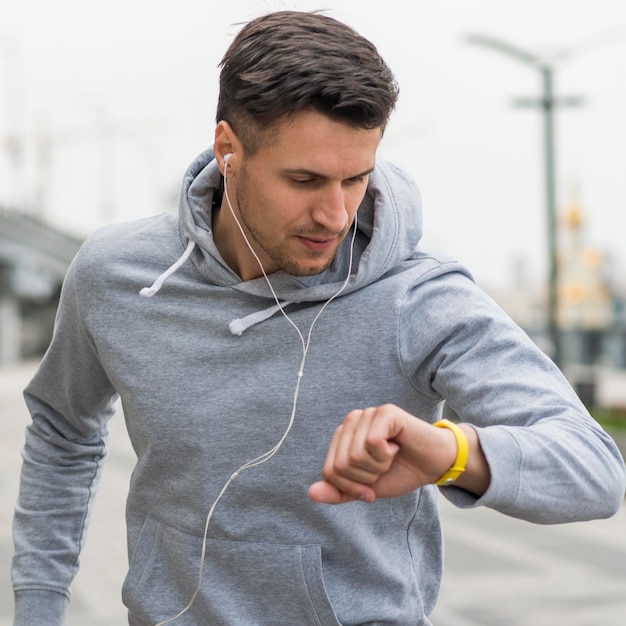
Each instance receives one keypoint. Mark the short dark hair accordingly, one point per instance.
(291, 61)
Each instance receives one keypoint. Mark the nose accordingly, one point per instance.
(330, 209)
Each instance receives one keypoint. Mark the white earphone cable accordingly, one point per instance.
(266, 456)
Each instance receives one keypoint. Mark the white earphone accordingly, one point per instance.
(226, 159)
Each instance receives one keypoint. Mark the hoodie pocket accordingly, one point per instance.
(242, 582)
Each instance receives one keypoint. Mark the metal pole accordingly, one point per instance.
(553, 265)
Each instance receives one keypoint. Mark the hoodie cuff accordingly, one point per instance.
(504, 458)
(40, 608)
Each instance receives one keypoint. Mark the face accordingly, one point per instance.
(297, 196)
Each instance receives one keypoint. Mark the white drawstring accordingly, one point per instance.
(238, 326)
(148, 292)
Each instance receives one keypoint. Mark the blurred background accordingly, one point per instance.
(511, 119)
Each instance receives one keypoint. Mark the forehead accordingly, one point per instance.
(311, 140)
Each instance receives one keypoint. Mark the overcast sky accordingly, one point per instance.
(112, 100)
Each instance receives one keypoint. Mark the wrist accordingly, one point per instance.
(462, 451)
(477, 475)
(37, 607)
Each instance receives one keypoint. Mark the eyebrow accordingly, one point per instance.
(305, 172)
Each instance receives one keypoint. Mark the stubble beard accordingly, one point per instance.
(277, 253)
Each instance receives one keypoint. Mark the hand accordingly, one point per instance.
(382, 452)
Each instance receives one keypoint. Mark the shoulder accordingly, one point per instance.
(135, 243)
(441, 300)
(132, 239)
(444, 294)
(424, 273)
(128, 251)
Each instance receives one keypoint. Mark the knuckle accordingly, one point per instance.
(353, 417)
(327, 473)
(341, 466)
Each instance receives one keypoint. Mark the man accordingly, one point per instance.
(293, 353)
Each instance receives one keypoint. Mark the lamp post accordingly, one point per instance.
(547, 102)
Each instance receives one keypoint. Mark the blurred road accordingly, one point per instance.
(499, 571)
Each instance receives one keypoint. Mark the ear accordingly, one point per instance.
(226, 142)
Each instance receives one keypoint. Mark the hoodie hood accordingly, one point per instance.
(389, 228)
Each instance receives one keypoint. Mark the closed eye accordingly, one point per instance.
(302, 182)
(356, 180)
(305, 178)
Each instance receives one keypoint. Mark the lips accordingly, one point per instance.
(317, 245)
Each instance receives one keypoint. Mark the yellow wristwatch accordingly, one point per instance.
(458, 467)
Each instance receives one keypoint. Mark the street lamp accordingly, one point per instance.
(546, 65)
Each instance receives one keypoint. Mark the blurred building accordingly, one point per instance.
(584, 296)
(591, 314)
(34, 258)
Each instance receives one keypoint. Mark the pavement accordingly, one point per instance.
(498, 571)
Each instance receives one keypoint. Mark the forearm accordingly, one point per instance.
(58, 481)
(557, 470)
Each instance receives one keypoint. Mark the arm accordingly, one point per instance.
(548, 459)
(70, 400)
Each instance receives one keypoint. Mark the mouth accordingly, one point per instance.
(317, 245)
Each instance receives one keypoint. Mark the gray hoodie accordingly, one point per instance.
(202, 396)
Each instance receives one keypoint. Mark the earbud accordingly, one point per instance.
(226, 158)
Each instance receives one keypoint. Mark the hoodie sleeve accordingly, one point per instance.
(550, 461)
(70, 400)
